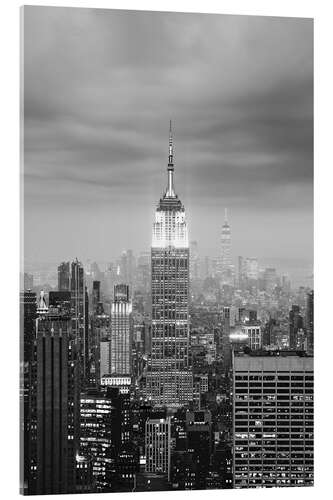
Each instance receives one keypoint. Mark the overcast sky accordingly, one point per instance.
(100, 87)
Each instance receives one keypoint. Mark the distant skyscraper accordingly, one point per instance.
(295, 325)
(247, 272)
(127, 266)
(96, 295)
(272, 420)
(121, 345)
(169, 381)
(226, 271)
(100, 346)
(270, 279)
(194, 261)
(28, 281)
(158, 445)
(64, 276)
(309, 322)
(79, 312)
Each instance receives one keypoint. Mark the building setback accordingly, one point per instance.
(272, 419)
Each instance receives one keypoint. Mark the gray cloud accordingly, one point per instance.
(99, 89)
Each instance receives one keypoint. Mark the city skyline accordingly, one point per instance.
(94, 157)
(185, 362)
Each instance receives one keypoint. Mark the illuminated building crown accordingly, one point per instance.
(169, 229)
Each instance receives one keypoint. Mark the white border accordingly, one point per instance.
(322, 12)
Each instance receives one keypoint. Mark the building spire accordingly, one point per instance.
(170, 193)
(170, 146)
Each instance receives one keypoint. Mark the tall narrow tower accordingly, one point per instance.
(120, 345)
(169, 381)
(225, 256)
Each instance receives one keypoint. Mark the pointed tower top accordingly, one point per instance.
(170, 147)
(170, 193)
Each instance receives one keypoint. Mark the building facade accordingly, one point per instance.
(80, 314)
(120, 344)
(54, 430)
(272, 420)
(158, 445)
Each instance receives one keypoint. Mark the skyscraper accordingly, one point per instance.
(199, 443)
(158, 445)
(226, 273)
(79, 312)
(28, 313)
(64, 276)
(169, 381)
(100, 434)
(96, 295)
(309, 322)
(272, 419)
(120, 345)
(295, 326)
(54, 406)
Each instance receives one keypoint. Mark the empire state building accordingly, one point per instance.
(169, 379)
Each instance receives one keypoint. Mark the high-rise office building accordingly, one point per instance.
(28, 314)
(96, 295)
(120, 345)
(309, 322)
(127, 267)
(100, 438)
(55, 406)
(199, 444)
(272, 419)
(226, 347)
(169, 381)
(100, 346)
(158, 445)
(79, 312)
(64, 273)
(296, 327)
(104, 356)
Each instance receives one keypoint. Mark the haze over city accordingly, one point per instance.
(166, 292)
(97, 105)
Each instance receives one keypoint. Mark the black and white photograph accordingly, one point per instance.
(167, 276)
